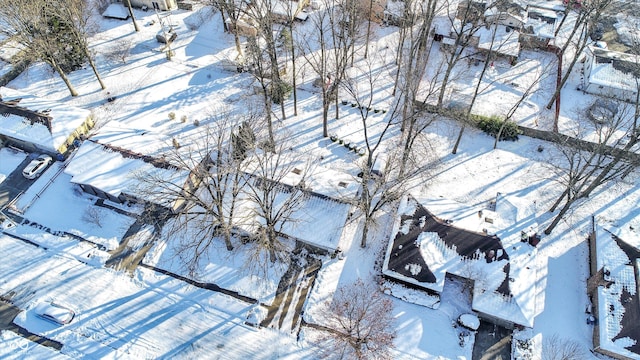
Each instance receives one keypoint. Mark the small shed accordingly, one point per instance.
(611, 73)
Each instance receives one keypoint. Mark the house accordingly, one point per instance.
(539, 28)
(614, 291)
(110, 172)
(500, 40)
(160, 5)
(479, 245)
(322, 211)
(611, 73)
(510, 15)
(281, 11)
(39, 125)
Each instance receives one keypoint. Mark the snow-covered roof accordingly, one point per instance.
(441, 25)
(505, 42)
(116, 11)
(424, 248)
(618, 311)
(605, 73)
(318, 180)
(315, 220)
(65, 120)
(110, 171)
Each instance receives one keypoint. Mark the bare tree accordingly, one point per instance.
(495, 47)
(359, 323)
(466, 19)
(557, 348)
(587, 169)
(528, 91)
(43, 36)
(204, 205)
(327, 52)
(589, 15)
(230, 12)
(315, 48)
(133, 17)
(77, 15)
(266, 14)
(385, 187)
(274, 201)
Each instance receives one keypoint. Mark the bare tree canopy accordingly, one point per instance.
(360, 323)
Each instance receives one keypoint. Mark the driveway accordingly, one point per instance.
(14, 184)
(492, 342)
(7, 313)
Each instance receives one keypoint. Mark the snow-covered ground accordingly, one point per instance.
(152, 315)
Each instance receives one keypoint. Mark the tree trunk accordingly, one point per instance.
(558, 217)
(133, 18)
(559, 200)
(366, 41)
(95, 70)
(293, 69)
(63, 76)
(457, 143)
(365, 232)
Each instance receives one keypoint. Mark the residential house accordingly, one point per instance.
(491, 248)
(611, 73)
(40, 125)
(322, 211)
(160, 5)
(539, 28)
(614, 291)
(103, 167)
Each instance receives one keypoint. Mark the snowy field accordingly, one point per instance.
(152, 315)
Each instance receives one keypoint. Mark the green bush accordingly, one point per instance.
(492, 124)
(280, 92)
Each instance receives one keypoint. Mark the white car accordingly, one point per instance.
(54, 312)
(37, 166)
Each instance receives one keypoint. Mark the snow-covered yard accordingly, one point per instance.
(153, 315)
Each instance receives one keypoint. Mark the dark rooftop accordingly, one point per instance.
(467, 244)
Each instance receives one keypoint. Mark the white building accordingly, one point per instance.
(611, 74)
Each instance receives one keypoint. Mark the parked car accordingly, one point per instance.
(37, 166)
(54, 312)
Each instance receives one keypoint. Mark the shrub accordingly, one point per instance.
(492, 124)
(280, 92)
(176, 144)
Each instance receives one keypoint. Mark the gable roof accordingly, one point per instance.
(424, 248)
(614, 69)
(618, 254)
(44, 123)
(113, 172)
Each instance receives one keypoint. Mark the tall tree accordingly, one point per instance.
(360, 323)
(590, 14)
(266, 14)
(490, 54)
(385, 187)
(466, 19)
(586, 170)
(204, 204)
(43, 36)
(77, 15)
(273, 202)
